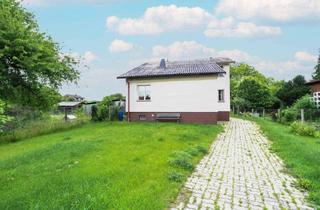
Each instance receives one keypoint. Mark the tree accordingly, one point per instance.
(292, 90)
(254, 93)
(238, 73)
(316, 74)
(32, 68)
(3, 118)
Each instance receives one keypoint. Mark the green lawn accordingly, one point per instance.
(100, 166)
(301, 155)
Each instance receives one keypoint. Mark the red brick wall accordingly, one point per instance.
(315, 87)
(223, 116)
(187, 117)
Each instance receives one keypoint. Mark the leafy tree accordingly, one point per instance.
(316, 74)
(292, 90)
(31, 65)
(254, 93)
(3, 118)
(239, 72)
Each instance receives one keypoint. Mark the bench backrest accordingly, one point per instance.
(168, 115)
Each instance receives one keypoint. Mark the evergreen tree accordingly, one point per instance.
(316, 74)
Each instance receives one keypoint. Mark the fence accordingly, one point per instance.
(283, 115)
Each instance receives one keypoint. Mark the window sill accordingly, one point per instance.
(221, 101)
(143, 100)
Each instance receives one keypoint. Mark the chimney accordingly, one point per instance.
(163, 64)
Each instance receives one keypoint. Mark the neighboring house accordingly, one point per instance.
(197, 91)
(315, 88)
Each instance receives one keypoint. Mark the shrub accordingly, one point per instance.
(175, 176)
(289, 115)
(94, 113)
(182, 160)
(304, 129)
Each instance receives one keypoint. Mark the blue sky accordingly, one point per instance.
(278, 37)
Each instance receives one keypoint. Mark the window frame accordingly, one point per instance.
(146, 93)
(222, 100)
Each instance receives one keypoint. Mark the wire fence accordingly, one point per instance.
(283, 115)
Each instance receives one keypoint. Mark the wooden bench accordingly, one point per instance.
(168, 117)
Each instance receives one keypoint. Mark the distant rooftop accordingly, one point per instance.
(178, 68)
(312, 82)
(69, 103)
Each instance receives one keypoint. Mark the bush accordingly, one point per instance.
(182, 160)
(304, 129)
(289, 115)
(94, 113)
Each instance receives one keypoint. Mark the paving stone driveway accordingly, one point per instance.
(240, 173)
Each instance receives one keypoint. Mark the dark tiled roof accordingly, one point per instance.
(178, 68)
(312, 82)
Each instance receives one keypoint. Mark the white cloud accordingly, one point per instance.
(305, 57)
(89, 57)
(118, 45)
(85, 58)
(160, 19)
(281, 10)
(302, 63)
(228, 27)
(190, 50)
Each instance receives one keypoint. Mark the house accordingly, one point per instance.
(315, 89)
(196, 91)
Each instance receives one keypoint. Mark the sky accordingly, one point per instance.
(280, 38)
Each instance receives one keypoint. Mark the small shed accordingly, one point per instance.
(69, 106)
(87, 106)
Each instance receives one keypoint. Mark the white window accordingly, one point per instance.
(221, 95)
(144, 93)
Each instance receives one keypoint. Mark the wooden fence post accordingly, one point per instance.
(279, 114)
(263, 112)
(302, 115)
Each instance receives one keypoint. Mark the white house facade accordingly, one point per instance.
(315, 89)
(199, 91)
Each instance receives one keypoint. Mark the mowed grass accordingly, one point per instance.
(301, 155)
(100, 166)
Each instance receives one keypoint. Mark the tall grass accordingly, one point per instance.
(40, 127)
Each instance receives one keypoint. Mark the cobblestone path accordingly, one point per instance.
(240, 173)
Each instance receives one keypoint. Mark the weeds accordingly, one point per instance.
(182, 160)
(175, 176)
(305, 184)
